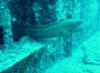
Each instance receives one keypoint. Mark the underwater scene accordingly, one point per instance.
(49, 36)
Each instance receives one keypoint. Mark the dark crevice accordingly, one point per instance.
(1, 35)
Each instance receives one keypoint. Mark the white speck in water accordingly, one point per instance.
(14, 19)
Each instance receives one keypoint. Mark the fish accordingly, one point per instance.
(50, 30)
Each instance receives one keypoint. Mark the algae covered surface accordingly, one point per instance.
(49, 36)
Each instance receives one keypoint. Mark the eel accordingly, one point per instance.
(51, 30)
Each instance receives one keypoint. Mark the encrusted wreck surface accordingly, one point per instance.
(14, 54)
